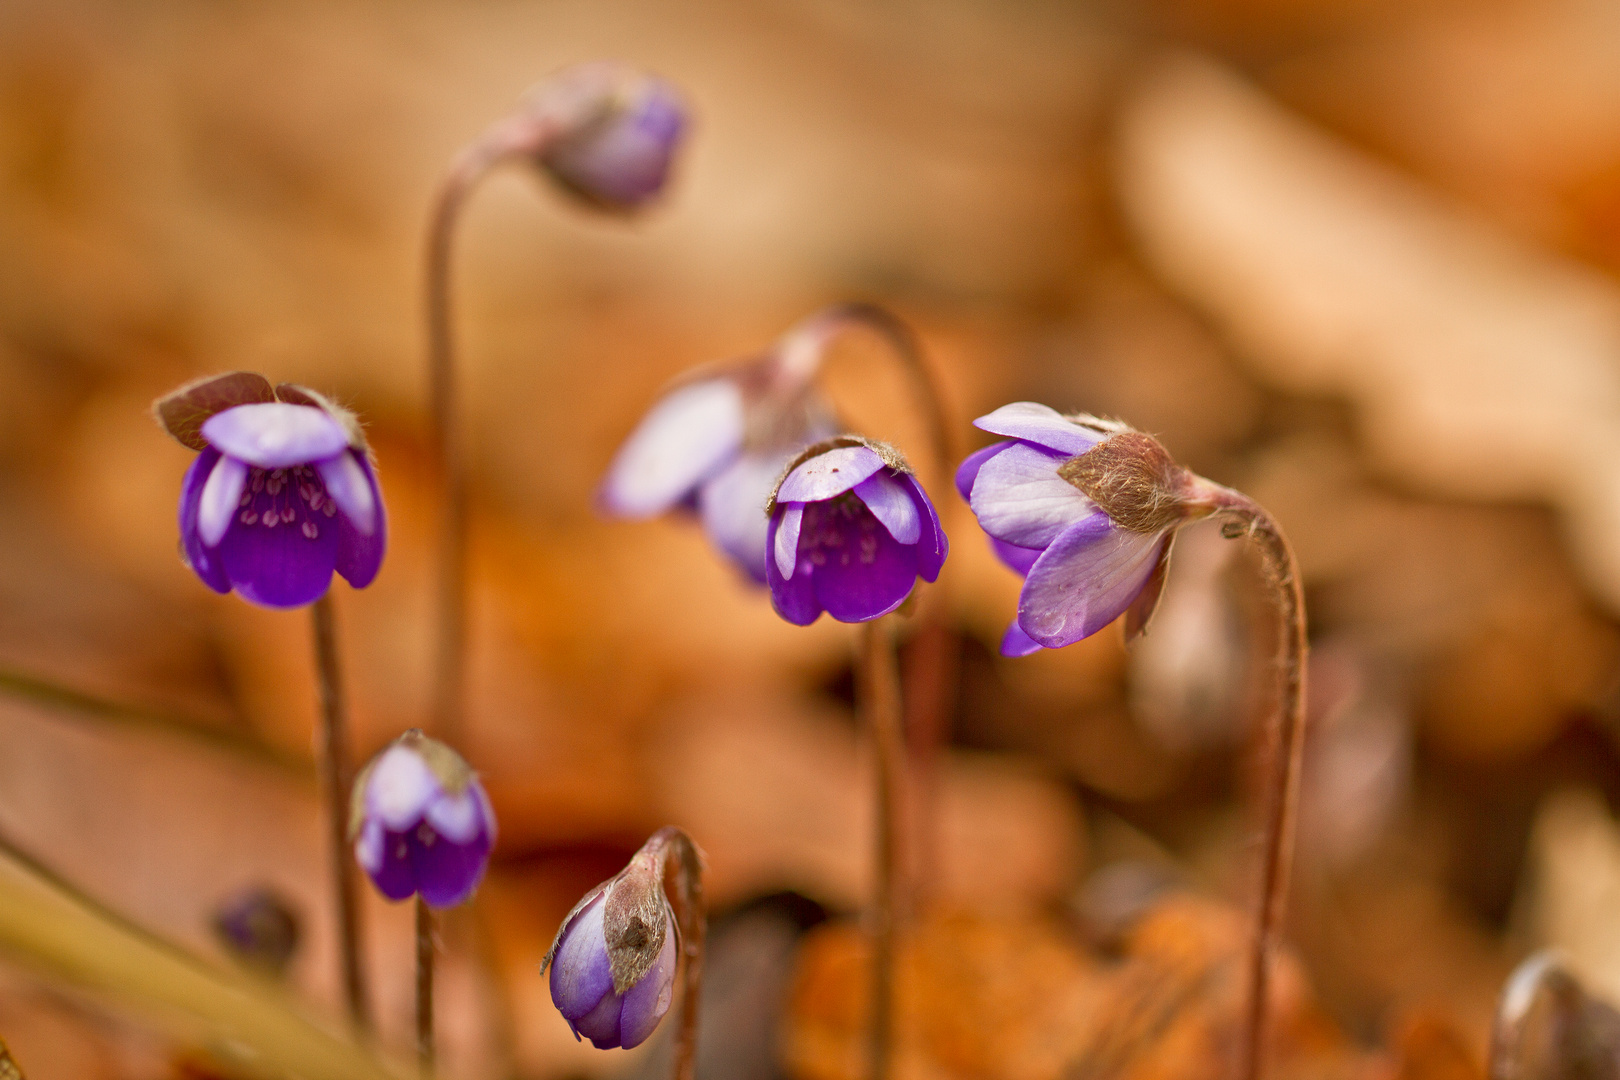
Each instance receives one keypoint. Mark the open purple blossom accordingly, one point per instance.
(715, 447)
(617, 133)
(421, 823)
(1085, 509)
(851, 530)
(282, 493)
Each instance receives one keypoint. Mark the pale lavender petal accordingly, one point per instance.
(890, 502)
(349, 486)
(580, 976)
(217, 506)
(1017, 643)
(400, 788)
(457, 818)
(794, 599)
(447, 873)
(274, 434)
(968, 471)
(1018, 558)
(1085, 580)
(829, 474)
(601, 1024)
(205, 563)
(625, 161)
(732, 505)
(647, 1001)
(932, 544)
(1041, 425)
(685, 438)
(1020, 498)
(282, 566)
(360, 557)
(785, 538)
(867, 575)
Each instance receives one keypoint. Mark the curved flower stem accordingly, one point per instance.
(683, 885)
(880, 706)
(515, 136)
(336, 776)
(1285, 739)
(424, 987)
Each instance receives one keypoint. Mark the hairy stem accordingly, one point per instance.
(424, 987)
(683, 884)
(336, 776)
(880, 707)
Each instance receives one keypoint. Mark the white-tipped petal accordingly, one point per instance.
(400, 788)
(455, 817)
(347, 485)
(217, 504)
(685, 438)
(787, 539)
(891, 504)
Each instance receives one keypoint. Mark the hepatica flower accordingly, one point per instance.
(851, 530)
(715, 447)
(421, 823)
(1086, 510)
(618, 131)
(282, 492)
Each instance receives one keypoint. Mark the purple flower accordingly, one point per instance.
(611, 1013)
(1036, 495)
(850, 532)
(281, 495)
(259, 927)
(421, 823)
(619, 133)
(715, 447)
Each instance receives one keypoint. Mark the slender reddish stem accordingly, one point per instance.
(682, 874)
(880, 705)
(336, 776)
(425, 1051)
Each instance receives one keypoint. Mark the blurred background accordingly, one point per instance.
(1356, 257)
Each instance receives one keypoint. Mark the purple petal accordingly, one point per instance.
(274, 435)
(890, 502)
(1040, 425)
(601, 1024)
(1017, 643)
(794, 599)
(932, 545)
(359, 557)
(1085, 580)
(647, 1001)
(281, 565)
(447, 872)
(732, 505)
(1020, 498)
(220, 495)
(625, 161)
(865, 574)
(1140, 613)
(580, 976)
(349, 486)
(386, 858)
(789, 519)
(829, 474)
(1018, 558)
(684, 439)
(968, 471)
(205, 563)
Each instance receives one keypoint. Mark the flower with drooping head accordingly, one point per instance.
(613, 960)
(282, 494)
(715, 446)
(421, 823)
(851, 530)
(1085, 509)
(614, 133)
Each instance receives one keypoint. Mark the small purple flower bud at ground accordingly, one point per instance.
(613, 961)
(851, 530)
(283, 491)
(259, 928)
(615, 132)
(1085, 509)
(715, 446)
(421, 823)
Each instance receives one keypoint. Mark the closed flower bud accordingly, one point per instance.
(421, 823)
(259, 928)
(281, 494)
(617, 131)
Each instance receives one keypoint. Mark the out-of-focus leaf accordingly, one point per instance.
(246, 1024)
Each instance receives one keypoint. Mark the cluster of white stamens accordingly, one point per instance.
(266, 486)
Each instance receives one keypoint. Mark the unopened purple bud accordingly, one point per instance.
(282, 495)
(259, 927)
(620, 132)
(421, 823)
(612, 1012)
(851, 530)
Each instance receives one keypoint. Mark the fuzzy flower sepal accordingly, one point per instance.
(282, 494)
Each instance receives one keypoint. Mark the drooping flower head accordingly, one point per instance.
(282, 493)
(614, 958)
(851, 530)
(421, 823)
(1086, 510)
(613, 133)
(715, 445)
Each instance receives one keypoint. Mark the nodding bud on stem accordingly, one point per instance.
(611, 132)
(614, 958)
